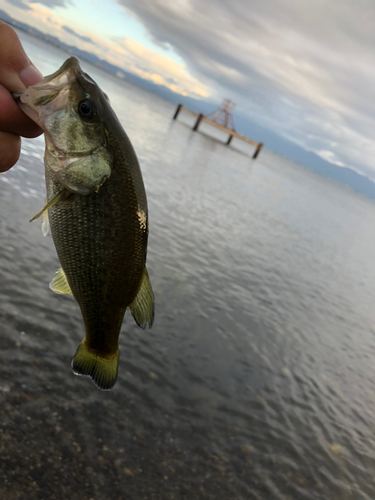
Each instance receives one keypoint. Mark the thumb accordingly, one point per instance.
(16, 70)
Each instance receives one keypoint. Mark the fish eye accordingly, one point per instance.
(86, 109)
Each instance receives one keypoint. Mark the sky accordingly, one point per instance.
(304, 69)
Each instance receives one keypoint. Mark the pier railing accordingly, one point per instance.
(232, 133)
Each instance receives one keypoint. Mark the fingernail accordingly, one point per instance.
(30, 76)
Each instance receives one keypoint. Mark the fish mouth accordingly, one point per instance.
(71, 65)
(53, 104)
(50, 94)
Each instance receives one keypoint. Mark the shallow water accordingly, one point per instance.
(257, 380)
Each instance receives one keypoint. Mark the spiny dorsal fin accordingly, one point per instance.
(60, 284)
(143, 306)
(103, 371)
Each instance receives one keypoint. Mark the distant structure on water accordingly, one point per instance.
(222, 119)
(223, 115)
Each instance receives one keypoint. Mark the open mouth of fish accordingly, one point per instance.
(50, 94)
(51, 97)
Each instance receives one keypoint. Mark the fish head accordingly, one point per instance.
(71, 109)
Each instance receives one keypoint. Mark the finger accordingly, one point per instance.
(10, 147)
(12, 119)
(16, 73)
(16, 69)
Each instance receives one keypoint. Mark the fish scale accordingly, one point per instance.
(102, 251)
(97, 210)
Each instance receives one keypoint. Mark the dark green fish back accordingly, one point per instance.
(97, 211)
(101, 241)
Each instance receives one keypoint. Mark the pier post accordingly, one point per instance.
(229, 139)
(258, 150)
(177, 111)
(199, 119)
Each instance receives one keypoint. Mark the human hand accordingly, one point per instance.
(16, 73)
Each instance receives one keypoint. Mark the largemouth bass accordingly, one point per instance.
(97, 211)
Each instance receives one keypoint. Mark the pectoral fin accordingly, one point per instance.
(143, 306)
(60, 284)
(45, 221)
(55, 200)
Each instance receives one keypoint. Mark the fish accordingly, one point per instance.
(96, 210)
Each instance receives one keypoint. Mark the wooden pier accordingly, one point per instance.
(232, 133)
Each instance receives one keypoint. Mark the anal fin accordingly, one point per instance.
(143, 306)
(60, 284)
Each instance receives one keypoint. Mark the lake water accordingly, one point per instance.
(257, 380)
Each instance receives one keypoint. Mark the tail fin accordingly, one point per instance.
(103, 371)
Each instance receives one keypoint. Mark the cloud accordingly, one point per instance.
(25, 4)
(146, 63)
(81, 37)
(51, 4)
(330, 156)
(303, 69)
(123, 52)
(20, 4)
